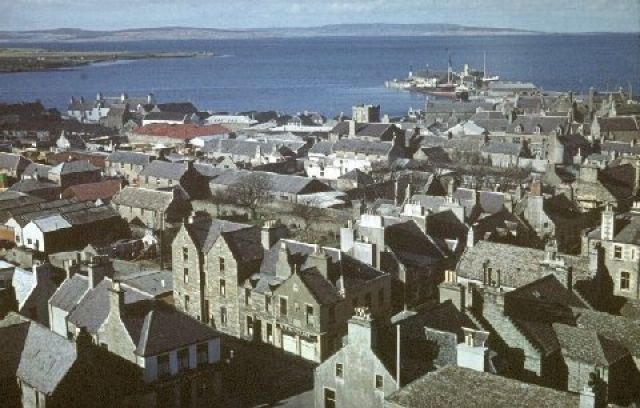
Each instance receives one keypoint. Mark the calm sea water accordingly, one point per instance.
(328, 75)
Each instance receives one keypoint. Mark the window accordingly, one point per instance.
(186, 275)
(183, 359)
(221, 264)
(379, 382)
(185, 254)
(283, 306)
(203, 353)
(247, 296)
(329, 398)
(381, 298)
(309, 314)
(163, 366)
(269, 333)
(186, 303)
(223, 288)
(625, 280)
(249, 326)
(617, 252)
(633, 254)
(267, 303)
(339, 373)
(206, 310)
(223, 316)
(29, 241)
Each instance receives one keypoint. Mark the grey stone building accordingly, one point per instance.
(355, 375)
(616, 243)
(251, 284)
(152, 208)
(166, 175)
(127, 165)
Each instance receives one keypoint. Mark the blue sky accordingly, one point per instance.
(540, 15)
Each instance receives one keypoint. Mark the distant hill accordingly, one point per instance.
(192, 33)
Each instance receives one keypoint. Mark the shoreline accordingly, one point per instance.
(16, 60)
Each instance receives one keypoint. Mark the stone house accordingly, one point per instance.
(44, 369)
(330, 160)
(305, 294)
(166, 175)
(74, 172)
(251, 284)
(12, 166)
(615, 243)
(355, 375)
(152, 208)
(280, 187)
(127, 165)
(373, 132)
(619, 128)
(250, 153)
(556, 217)
(402, 249)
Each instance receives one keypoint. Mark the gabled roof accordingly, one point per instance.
(102, 190)
(619, 124)
(135, 158)
(76, 166)
(137, 197)
(588, 346)
(94, 307)
(412, 247)
(358, 176)
(180, 132)
(278, 183)
(185, 108)
(617, 328)
(70, 292)
(46, 358)
(51, 223)
(12, 161)
(363, 146)
(165, 170)
(37, 169)
(165, 329)
(454, 386)
(206, 232)
(168, 116)
(364, 129)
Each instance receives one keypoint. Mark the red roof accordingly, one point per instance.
(93, 191)
(182, 132)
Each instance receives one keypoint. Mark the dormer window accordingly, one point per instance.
(538, 129)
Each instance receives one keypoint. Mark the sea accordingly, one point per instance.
(328, 74)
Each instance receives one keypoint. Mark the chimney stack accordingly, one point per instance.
(361, 330)
(352, 127)
(320, 260)
(116, 298)
(271, 232)
(97, 270)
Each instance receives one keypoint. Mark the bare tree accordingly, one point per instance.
(251, 191)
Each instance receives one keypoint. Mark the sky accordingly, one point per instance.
(538, 15)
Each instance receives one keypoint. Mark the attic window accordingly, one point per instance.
(339, 372)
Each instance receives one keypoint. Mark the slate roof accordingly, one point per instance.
(518, 265)
(165, 329)
(513, 149)
(76, 166)
(588, 346)
(363, 129)
(93, 308)
(358, 176)
(489, 202)
(206, 232)
(363, 146)
(540, 334)
(164, 170)
(620, 147)
(70, 292)
(455, 106)
(167, 116)
(412, 246)
(619, 124)
(134, 158)
(453, 386)
(237, 147)
(34, 186)
(530, 123)
(102, 190)
(37, 169)
(279, 183)
(617, 328)
(137, 197)
(23, 282)
(186, 108)
(324, 148)
(11, 161)
(46, 358)
(442, 317)
(51, 223)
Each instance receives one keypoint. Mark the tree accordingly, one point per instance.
(251, 191)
